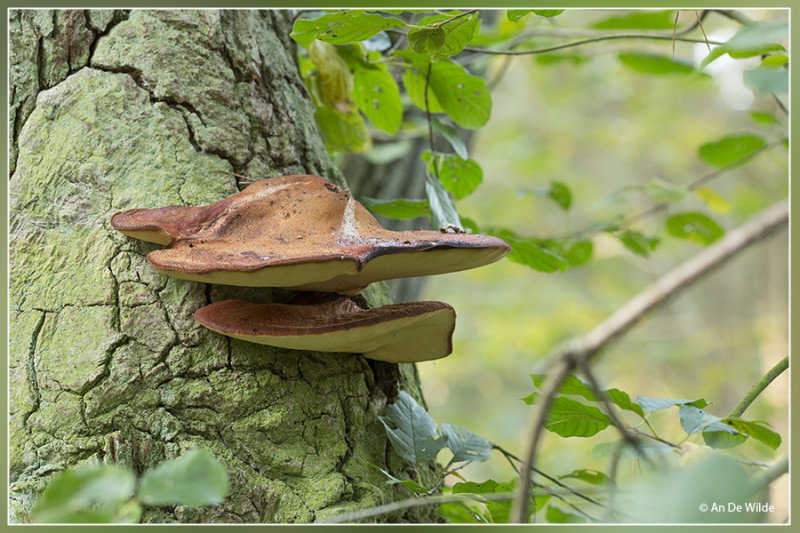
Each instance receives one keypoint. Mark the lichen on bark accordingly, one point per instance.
(106, 362)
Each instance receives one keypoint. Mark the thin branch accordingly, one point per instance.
(430, 123)
(773, 472)
(413, 502)
(781, 105)
(699, 182)
(656, 438)
(566, 358)
(582, 42)
(760, 226)
(759, 387)
(519, 509)
(627, 436)
(509, 456)
(700, 23)
(464, 14)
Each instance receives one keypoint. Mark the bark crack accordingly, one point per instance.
(32, 375)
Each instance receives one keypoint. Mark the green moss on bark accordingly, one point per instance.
(107, 362)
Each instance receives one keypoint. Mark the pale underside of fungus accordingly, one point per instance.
(398, 333)
(299, 232)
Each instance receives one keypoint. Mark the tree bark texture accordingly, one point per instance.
(112, 110)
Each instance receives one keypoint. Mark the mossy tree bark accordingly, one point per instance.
(113, 110)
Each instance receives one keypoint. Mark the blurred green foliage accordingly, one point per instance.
(110, 493)
(605, 158)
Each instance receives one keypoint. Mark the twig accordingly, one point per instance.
(583, 365)
(700, 23)
(585, 348)
(582, 42)
(699, 182)
(430, 122)
(773, 472)
(519, 509)
(656, 438)
(509, 456)
(781, 105)
(414, 502)
(464, 14)
(759, 387)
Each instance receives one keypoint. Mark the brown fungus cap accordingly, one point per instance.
(300, 232)
(398, 333)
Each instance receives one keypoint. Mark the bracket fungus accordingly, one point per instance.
(300, 232)
(398, 333)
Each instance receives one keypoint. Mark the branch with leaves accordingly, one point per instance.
(579, 351)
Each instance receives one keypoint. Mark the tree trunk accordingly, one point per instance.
(113, 110)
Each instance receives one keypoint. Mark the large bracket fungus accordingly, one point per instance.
(398, 333)
(297, 232)
(305, 233)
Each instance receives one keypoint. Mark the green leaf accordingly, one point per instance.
(342, 132)
(461, 513)
(378, 96)
(694, 420)
(570, 418)
(89, 494)
(342, 27)
(657, 404)
(452, 136)
(410, 484)
(415, 436)
(722, 440)
(397, 208)
(196, 478)
(557, 515)
(695, 227)
(561, 194)
(756, 430)
(579, 252)
(664, 191)
(499, 510)
(573, 385)
(774, 61)
(654, 63)
(730, 149)
(335, 81)
(713, 200)
(514, 15)
(443, 212)
(464, 97)
(763, 117)
(642, 20)
(549, 13)
(647, 448)
(457, 33)
(466, 445)
(529, 252)
(638, 243)
(593, 477)
(414, 80)
(768, 81)
(459, 176)
(426, 41)
(751, 40)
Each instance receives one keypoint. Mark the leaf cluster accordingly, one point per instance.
(110, 493)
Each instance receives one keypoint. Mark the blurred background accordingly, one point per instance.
(598, 126)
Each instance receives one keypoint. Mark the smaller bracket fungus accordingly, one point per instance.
(398, 333)
(299, 232)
